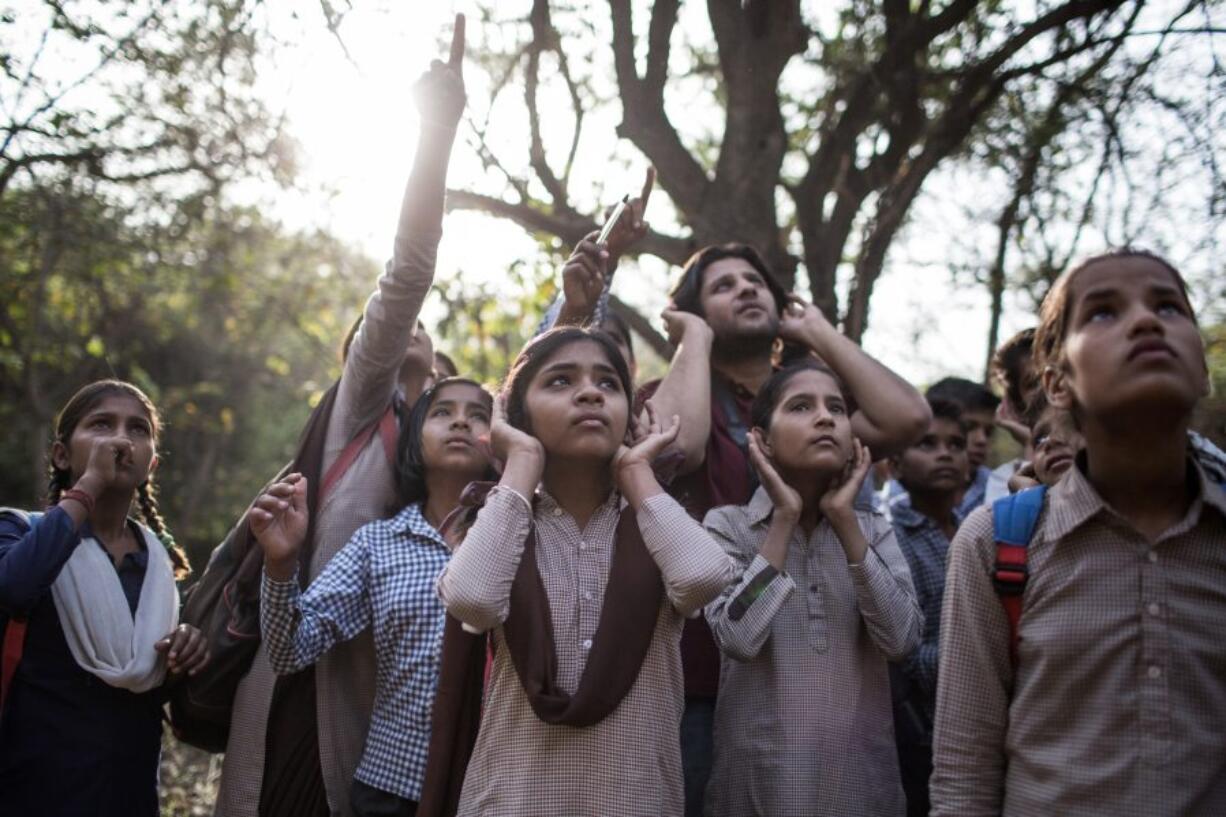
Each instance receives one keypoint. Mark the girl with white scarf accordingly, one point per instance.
(94, 591)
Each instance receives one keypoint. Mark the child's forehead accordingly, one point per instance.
(582, 353)
(121, 404)
(461, 393)
(811, 381)
(945, 426)
(1053, 419)
(1128, 274)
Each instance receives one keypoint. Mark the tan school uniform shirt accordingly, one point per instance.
(628, 764)
(1118, 703)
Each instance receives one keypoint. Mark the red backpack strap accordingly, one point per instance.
(1013, 522)
(14, 641)
(15, 629)
(387, 429)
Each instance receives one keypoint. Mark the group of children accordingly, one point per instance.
(583, 596)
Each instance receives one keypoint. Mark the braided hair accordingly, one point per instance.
(60, 479)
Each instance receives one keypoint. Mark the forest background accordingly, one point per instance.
(198, 195)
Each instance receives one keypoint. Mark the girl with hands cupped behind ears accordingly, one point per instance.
(383, 579)
(88, 598)
(823, 601)
(581, 569)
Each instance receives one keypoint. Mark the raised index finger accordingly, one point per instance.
(648, 183)
(457, 44)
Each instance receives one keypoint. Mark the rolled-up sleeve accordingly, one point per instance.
(742, 616)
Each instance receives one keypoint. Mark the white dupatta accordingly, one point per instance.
(102, 634)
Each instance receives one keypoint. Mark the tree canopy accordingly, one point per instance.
(812, 130)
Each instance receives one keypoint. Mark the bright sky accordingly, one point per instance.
(357, 128)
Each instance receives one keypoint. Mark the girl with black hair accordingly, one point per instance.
(824, 600)
(94, 591)
(382, 579)
(583, 570)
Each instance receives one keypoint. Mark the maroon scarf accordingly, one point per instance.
(623, 636)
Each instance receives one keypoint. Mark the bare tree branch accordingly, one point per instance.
(570, 228)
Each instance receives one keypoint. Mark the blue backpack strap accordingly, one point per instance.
(1013, 521)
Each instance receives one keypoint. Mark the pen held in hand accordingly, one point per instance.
(614, 217)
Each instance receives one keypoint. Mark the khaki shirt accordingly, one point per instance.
(803, 723)
(628, 764)
(1118, 703)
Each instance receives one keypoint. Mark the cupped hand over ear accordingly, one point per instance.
(784, 497)
(839, 497)
(647, 440)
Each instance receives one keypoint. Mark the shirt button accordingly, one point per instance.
(1152, 556)
(587, 643)
(583, 546)
(1155, 671)
(587, 595)
(557, 511)
(1154, 608)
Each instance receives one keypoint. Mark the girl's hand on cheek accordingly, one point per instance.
(632, 465)
(784, 497)
(647, 441)
(521, 456)
(506, 440)
(836, 503)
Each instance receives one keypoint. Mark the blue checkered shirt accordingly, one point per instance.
(924, 545)
(383, 578)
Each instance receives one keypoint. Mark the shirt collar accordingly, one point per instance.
(760, 506)
(411, 521)
(907, 516)
(1074, 500)
(547, 504)
(1211, 492)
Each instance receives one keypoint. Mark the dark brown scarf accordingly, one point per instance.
(623, 636)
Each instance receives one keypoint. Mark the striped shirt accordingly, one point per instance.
(803, 723)
(382, 579)
(1117, 703)
(628, 764)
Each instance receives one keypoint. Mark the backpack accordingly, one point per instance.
(15, 627)
(1014, 518)
(225, 602)
(1013, 522)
